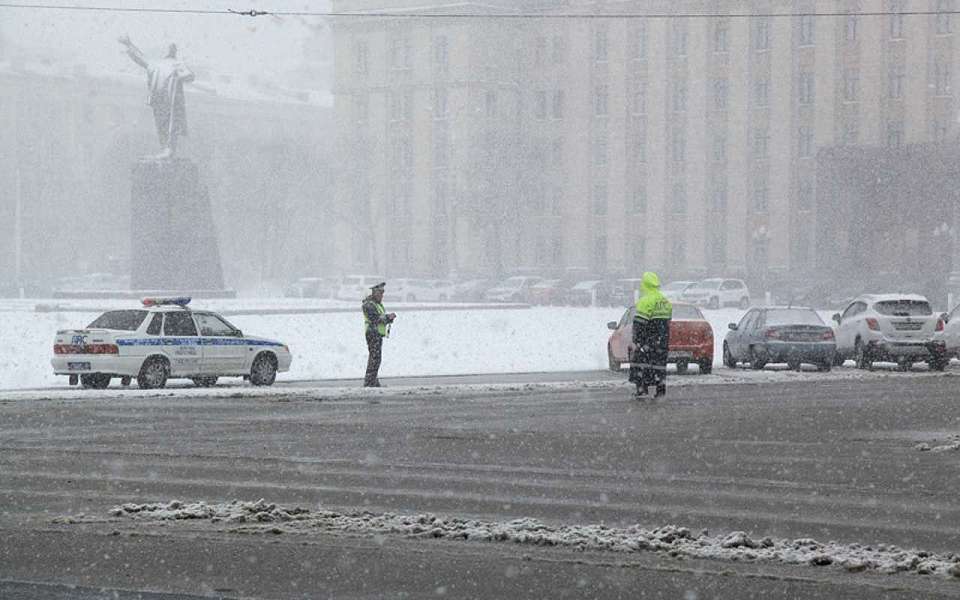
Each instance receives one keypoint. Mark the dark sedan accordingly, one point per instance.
(780, 335)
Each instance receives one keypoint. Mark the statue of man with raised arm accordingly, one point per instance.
(165, 79)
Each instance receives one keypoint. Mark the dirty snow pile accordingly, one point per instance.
(669, 539)
(953, 446)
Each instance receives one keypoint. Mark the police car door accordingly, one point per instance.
(224, 350)
(182, 344)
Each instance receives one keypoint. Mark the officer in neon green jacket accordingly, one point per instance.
(651, 337)
(376, 326)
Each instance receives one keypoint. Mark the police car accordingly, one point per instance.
(165, 340)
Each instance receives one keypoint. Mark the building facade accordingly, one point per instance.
(685, 141)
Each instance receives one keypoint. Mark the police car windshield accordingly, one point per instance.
(121, 320)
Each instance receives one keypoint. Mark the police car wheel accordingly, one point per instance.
(96, 381)
(264, 370)
(204, 381)
(153, 374)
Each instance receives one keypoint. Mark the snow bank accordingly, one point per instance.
(677, 541)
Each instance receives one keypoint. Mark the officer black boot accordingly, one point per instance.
(641, 392)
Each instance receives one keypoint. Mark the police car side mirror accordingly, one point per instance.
(836, 317)
(612, 325)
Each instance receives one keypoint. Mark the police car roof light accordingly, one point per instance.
(181, 301)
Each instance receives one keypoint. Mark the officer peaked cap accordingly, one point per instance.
(380, 286)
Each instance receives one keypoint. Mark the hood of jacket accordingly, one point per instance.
(649, 283)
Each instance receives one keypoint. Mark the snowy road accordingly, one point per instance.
(835, 459)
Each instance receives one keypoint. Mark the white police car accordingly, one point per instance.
(165, 340)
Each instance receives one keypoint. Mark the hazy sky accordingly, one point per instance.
(223, 43)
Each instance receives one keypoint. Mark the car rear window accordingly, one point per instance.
(686, 313)
(793, 316)
(903, 308)
(121, 320)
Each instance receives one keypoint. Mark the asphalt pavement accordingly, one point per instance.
(825, 459)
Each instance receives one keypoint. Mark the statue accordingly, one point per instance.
(165, 79)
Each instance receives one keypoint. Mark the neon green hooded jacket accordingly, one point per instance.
(652, 304)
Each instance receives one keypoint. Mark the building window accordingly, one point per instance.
(441, 53)
(678, 37)
(557, 252)
(638, 252)
(761, 144)
(558, 49)
(441, 149)
(761, 92)
(440, 103)
(556, 152)
(600, 45)
(851, 131)
(761, 194)
(805, 142)
(718, 199)
(600, 199)
(944, 8)
(720, 87)
(678, 199)
(805, 196)
(638, 204)
(718, 246)
(401, 106)
(638, 47)
(600, 253)
(678, 144)
(558, 104)
(939, 131)
(806, 33)
(761, 34)
(721, 31)
(679, 96)
(678, 250)
(895, 83)
(539, 51)
(361, 54)
(639, 103)
(719, 147)
(807, 88)
(851, 85)
(400, 52)
(941, 74)
(850, 29)
(895, 134)
(600, 150)
(361, 107)
(640, 144)
(896, 20)
(600, 96)
(540, 104)
(490, 100)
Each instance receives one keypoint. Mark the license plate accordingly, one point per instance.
(78, 366)
(680, 354)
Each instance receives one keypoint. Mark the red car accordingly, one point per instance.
(691, 339)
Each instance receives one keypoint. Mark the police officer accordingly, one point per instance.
(651, 337)
(376, 325)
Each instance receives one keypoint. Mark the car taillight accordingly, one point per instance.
(939, 324)
(827, 335)
(873, 324)
(772, 334)
(87, 349)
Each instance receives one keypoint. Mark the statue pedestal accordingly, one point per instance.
(173, 241)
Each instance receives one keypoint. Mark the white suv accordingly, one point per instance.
(896, 328)
(716, 293)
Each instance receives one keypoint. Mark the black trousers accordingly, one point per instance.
(648, 362)
(374, 351)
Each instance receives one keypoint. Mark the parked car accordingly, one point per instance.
(472, 290)
(513, 289)
(950, 336)
(424, 290)
(691, 339)
(590, 293)
(675, 289)
(547, 292)
(357, 287)
(789, 335)
(312, 287)
(717, 293)
(898, 328)
(625, 291)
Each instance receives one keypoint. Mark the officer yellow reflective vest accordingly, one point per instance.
(652, 304)
(383, 328)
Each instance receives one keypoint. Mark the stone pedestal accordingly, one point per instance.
(173, 243)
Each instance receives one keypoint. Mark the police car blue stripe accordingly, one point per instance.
(195, 341)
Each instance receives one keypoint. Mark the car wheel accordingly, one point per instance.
(728, 359)
(615, 364)
(794, 365)
(264, 370)
(153, 373)
(938, 363)
(95, 381)
(205, 381)
(713, 303)
(825, 366)
(756, 362)
(744, 303)
(838, 359)
(682, 367)
(706, 366)
(862, 355)
(904, 365)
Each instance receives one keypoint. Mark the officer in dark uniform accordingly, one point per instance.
(376, 325)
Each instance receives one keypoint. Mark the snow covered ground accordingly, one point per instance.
(331, 345)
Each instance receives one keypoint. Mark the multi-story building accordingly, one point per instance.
(682, 136)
